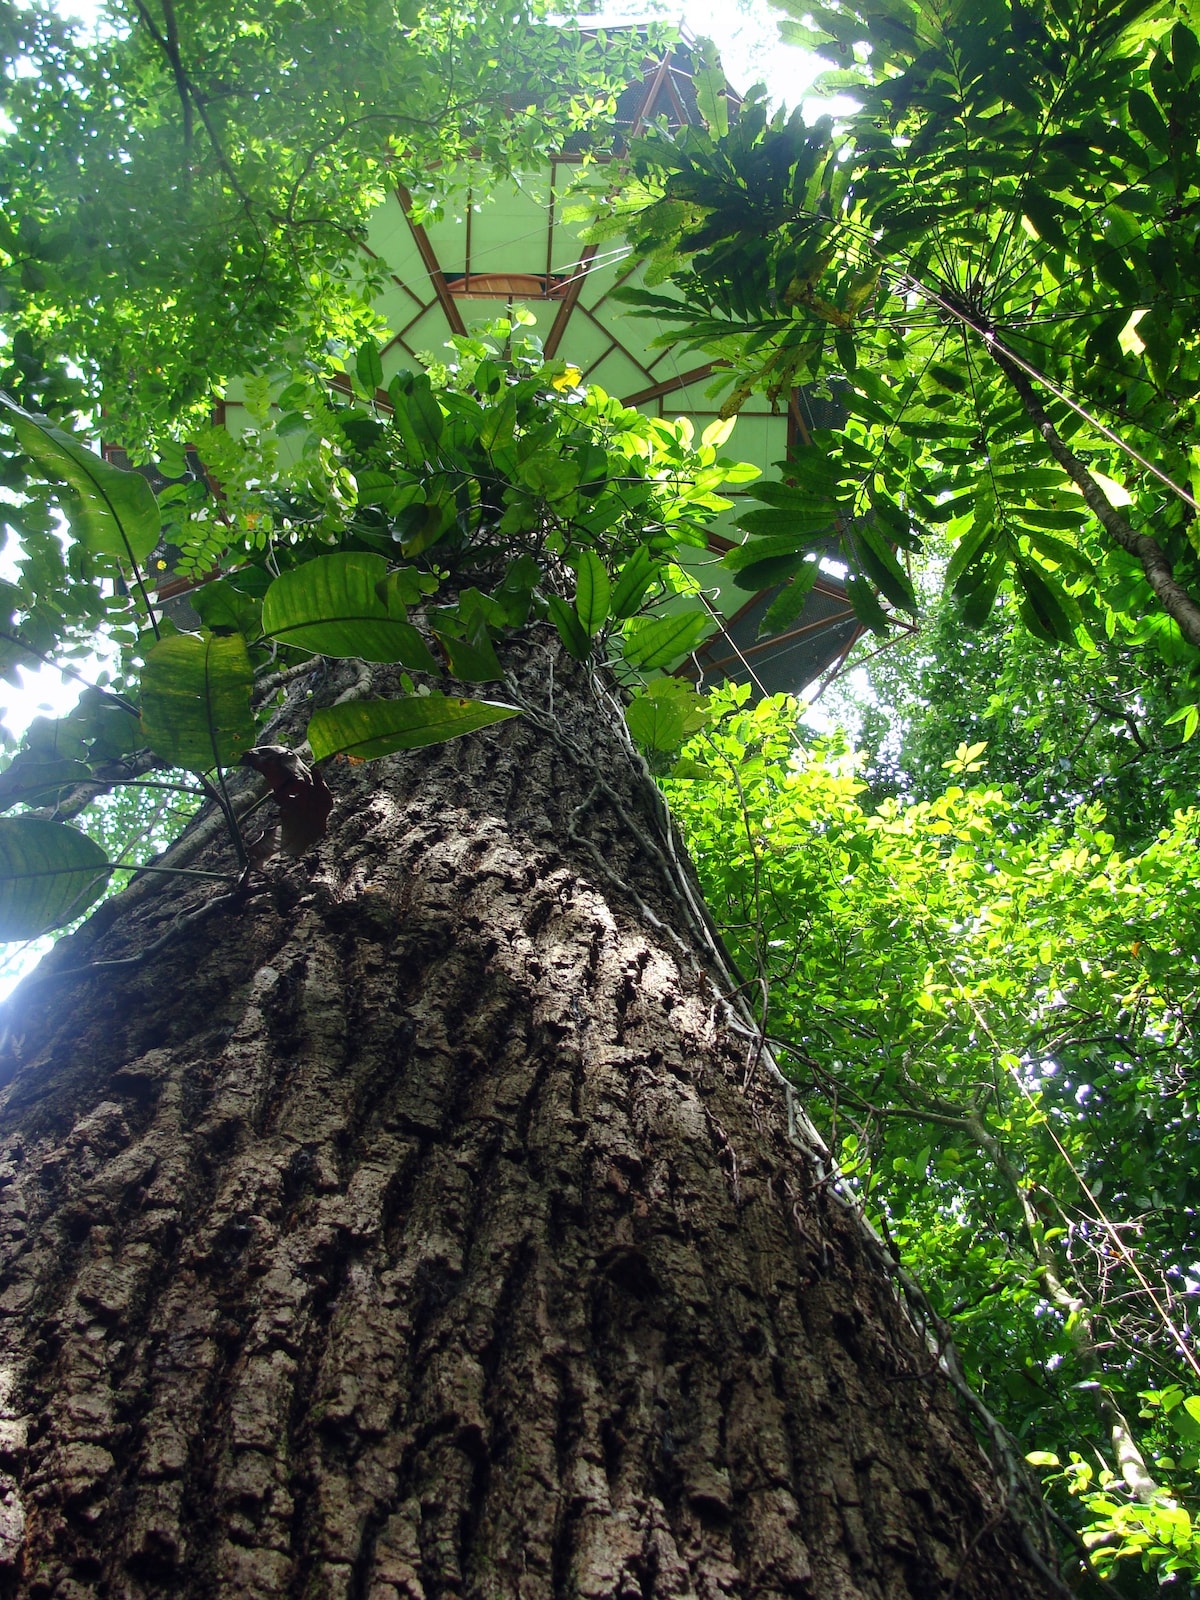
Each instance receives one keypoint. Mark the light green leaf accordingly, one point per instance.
(663, 714)
(368, 367)
(710, 96)
(661, 641)
(332, 605)
(34, 779)
(49, 874)
(1190, 717)
(114, 513)
(196, 700)
(371, 728)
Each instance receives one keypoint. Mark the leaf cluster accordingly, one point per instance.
(988, 266)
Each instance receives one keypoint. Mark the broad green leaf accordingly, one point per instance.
(221, 607)
(367, 729)
(1058, 550)
(405, 586)
(114, 513)
(710, 98)
(802, 519)
(472, 657)
(1185, 52)
(49, 874)
(1148, 119)
(789, 603)
(196, 700)
(499, 421)
(765, 574)
(368, 367)
(570, 629)
(34, 780)
(1189, 716)
(665, 713)
(515, 594)
(979, 600)
(865, 606)
(661, 641)
(634, 579)
(419, 526)
(592, 591)
(757, 550)
(966, 550)
(716, 434)
(425, 415)
(331, 605)
(1046, 609)
(878, 562)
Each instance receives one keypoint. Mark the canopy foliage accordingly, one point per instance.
(990, 262)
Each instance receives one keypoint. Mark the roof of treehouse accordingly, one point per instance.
(513, 245)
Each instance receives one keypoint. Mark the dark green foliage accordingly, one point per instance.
(989, 265)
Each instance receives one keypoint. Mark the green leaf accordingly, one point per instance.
(660, 641)
(709, 82)
(593, 592)
(865, 606)
(515, 594)
(816, 514)
(114, 513)
(332, 606)
(570, 629)
(758, 550)
(368, 729)
(966, 550)
(33, 779)
(49, 874)
(419, 526)
(878, 562)
(788, 605)
(1047, 611)
(634, 579)
(765, 574)
(425, 414)
(1188, 715)
(196, 700)
(1185, 52)
(471, 655)
(221, 607)
(1058, 550)
(978, 601)
(665, 713)
(368, 366)
(499, 421)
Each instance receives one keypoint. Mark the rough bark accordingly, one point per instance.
(408, 1227)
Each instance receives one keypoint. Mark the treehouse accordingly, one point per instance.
(516, 245)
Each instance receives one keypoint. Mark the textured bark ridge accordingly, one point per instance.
(408, 1229)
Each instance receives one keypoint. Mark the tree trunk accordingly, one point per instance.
(417, 1225)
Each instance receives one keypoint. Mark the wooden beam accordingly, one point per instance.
(569, 301)
(669, 385)
(432, 265)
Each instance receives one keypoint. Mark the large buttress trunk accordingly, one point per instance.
(409, 1228)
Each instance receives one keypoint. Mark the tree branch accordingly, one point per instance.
(1173, 597)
